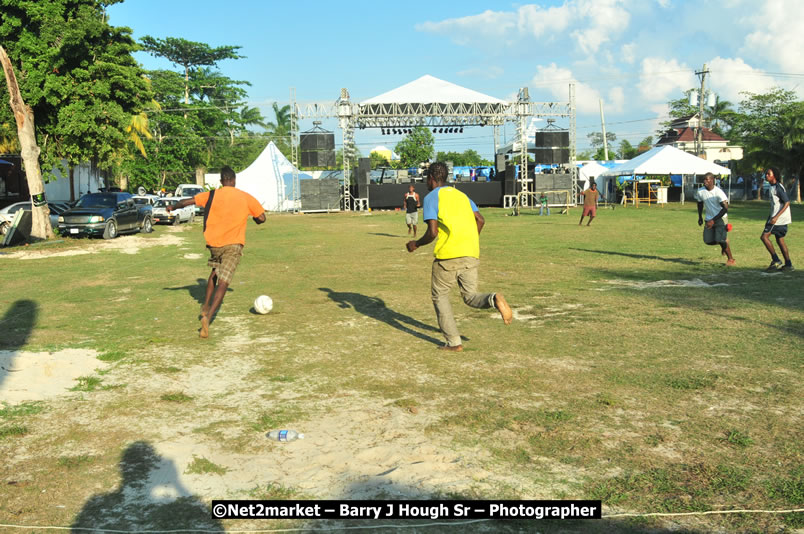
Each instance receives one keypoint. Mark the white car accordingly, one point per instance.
(190, 190)
(8, 213)
(162, 216)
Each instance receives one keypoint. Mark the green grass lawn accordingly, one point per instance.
(639, 370)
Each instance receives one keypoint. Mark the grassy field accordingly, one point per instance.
(639, 370)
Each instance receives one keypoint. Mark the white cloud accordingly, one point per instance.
(731, 76)
(778, 37)
(628, 53)
(493, 25)
(590, 23)
(661, 80)
(557, 79)
(616, 99)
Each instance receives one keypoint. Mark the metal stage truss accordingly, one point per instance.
(353, 116)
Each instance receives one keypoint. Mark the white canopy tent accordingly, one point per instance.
(668, 160)
(267, 179)
(591, 171)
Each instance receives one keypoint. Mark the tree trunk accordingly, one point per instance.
(72, 183)
(199, 175)
(23, 114)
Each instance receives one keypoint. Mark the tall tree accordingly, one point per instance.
(416, 147)
(188, 54)
(40, 226)
(80, 78)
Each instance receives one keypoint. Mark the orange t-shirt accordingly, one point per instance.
(228, 215)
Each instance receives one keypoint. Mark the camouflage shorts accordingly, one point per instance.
(225, 260)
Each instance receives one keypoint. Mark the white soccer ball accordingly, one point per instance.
(263, 304)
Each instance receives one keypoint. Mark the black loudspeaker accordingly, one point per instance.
(543, 156)
(363, 170)
(552, 139)
(500, 163)
(317, 141)
(324, 158)
(561, 155)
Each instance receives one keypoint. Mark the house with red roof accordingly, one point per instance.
(683, 135)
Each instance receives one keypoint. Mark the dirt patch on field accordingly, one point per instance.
(34, 376)
(125, 244)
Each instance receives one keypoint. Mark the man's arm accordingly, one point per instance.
(259, 219)
(181, 204)
(479, 220)
(418, 200)
(700, 213)
(428, 237)
(725, 208)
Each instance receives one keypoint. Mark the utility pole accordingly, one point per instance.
(699, 151)
(603, 127)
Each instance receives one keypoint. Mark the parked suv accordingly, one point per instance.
(106, 214)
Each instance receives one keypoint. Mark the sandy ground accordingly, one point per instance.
(34, 376)
(126, 244)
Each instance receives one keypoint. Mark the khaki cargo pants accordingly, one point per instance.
(445, 274)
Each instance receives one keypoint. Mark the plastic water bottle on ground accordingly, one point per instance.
(284, 435)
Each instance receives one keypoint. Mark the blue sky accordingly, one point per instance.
(635, 55)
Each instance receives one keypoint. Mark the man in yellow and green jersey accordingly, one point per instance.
(454, 222)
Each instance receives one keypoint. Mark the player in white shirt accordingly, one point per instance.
(717, 205)
(777, 221)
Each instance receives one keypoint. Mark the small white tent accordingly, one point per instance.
(593, 171)
(269, 179)
(666, 160)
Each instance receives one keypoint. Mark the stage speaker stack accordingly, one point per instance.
(363, 177)
(511, 187)
(317, 148)
(500, 163)
(551, 147)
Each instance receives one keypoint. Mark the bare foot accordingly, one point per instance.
(456, 348)
(204, 333)
(504, 308)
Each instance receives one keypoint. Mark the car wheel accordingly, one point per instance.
(147, 225)
(110, 232)
(177, 219)
(4, 228)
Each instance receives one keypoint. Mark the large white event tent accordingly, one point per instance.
(666, 160)
(428, 90)
(266, 179)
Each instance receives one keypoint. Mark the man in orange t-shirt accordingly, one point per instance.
(225, 233)
(589, 203)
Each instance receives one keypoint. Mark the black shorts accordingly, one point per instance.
(716, 234)
(779, 230)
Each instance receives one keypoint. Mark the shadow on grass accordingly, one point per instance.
(375, 308)
(639, 256)
(16, 327)
(198, 290)
(386, 235)
(133, 507)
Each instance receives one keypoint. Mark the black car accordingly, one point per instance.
(106, 214)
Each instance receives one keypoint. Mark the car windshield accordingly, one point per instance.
(191, 191)
(140, 200)
(96, 201)
(164, 203)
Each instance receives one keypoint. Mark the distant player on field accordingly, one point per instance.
(717, 205)
(589, 203)
(412, 203)
(777, 221)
